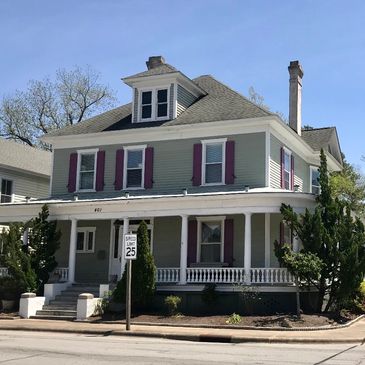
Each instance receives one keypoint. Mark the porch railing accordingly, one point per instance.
(62, 272)
(265, 275)
(4, 272)
(168, 275)
(226, 275)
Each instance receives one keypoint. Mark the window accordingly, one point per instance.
(210, 238)
(162, 104)
(213, 162)
(146, 105)
(154, 104)
(314, 178)
(134, 167)
(6, 191)
(85, 239)
(287, 169)
(87, 168)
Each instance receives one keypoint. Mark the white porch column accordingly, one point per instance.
(295, 244)
(267, 240)
(72, 252)
(183, 249)
(25, 237)
(247, 260)
(125, 231)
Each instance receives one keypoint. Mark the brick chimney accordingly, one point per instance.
(295, 96)
(155, 61)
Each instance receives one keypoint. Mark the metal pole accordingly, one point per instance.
(128, 295)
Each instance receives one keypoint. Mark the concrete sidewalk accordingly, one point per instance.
(352, 334)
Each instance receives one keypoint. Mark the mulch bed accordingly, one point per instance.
(278, 320)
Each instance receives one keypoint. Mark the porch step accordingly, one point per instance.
(60, 318)
(64, 306)
(56, 313)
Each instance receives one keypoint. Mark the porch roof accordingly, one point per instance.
(260, 200)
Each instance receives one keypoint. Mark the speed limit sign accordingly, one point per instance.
(130, 246)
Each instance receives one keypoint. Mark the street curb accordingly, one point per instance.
(294, 329)
(188, 337)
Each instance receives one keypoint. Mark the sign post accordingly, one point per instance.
(130, 253)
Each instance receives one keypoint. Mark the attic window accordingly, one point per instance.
(154, 104)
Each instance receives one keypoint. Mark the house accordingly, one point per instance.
(204, 167)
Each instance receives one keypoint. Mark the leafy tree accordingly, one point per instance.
(335, 238)
(349, 185)
(43, 242)
(143, 272)
(52, 104)
(16, 260)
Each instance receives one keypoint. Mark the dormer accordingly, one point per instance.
(161, 93)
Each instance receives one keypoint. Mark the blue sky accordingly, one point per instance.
(242, 43)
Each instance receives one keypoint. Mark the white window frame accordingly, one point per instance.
(154, 91)
(289, 153)
(79, 154)
(86, 230)
(311, 169)
(126, 150)
(204, 157)
(209, 219)
(12, 190)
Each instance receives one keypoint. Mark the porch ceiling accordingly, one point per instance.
(254, 201)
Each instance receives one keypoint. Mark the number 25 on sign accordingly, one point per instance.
(130, 246)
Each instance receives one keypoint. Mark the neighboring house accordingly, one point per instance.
(25, 173)
(205, 168)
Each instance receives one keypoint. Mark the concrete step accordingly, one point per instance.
(61, 318)
(73, 293)
(83, 288)
(70, 307)
(56, 313)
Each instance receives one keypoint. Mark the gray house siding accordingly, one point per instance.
(301, 168)
(90, 267)
(26, 184)
(173, 165)
(184, 99)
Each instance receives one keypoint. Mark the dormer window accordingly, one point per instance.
(154, 104)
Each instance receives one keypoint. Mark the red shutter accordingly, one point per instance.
(119, 169)
(282, 162)
(230, 162)
(228, 241)
(192, 241)
(292, 173)
(72, 173)
(197, 165)
(281, 239)
(100, 167)
(148, 168)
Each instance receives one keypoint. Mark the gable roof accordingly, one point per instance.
(22, 157)
(220, 103)
(319, 138)
(158, 70)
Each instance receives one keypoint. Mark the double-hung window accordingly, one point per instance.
(210, 240)
(85, 239)
(287, 169)
(6, 191)
(146, 105)
(213, 162)
(86, 170)
(154, 104)
(134, 171)
(314, 178)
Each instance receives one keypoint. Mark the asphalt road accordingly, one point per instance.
(28, 348)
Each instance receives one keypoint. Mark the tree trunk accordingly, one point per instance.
(321, 293)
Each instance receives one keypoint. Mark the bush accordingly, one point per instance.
(234, 319)
(172, 303)
(10, 289)
(209, 294)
